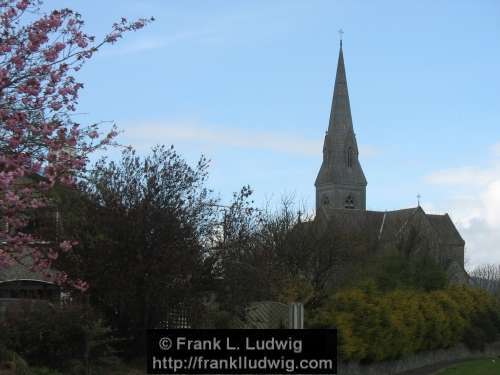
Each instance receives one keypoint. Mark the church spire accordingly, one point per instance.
(341, 182)
(340, 114)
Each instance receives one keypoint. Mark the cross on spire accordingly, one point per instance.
(341, 33)
(418, 199)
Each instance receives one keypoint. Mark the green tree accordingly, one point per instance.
(142, 226)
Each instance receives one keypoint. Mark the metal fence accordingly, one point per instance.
(257, 315)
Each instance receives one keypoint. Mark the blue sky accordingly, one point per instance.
(249, 84)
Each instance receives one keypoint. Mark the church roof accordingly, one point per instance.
(448, 233)
(368, 221)
(386, 225)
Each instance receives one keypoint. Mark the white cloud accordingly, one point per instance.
(491, 200)
(148, 134)
(474, 205)
(462, 176)
(482, 244)
(496, 149)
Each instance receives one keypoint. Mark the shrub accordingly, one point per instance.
(44, 371)
(52, 336)
(12, 360)
(376, 326)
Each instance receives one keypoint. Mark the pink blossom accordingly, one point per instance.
(22, 5)
(35, 77)
(60, 278)
(51, 254)
(80, 285)
(55, 105)
(65, 246)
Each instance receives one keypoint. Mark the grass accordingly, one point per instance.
(117, 369)
(478, 367)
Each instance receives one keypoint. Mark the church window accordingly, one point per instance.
(349, 157)
(349, 202)
(326, 201)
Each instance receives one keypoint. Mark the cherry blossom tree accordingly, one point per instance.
(40, 145)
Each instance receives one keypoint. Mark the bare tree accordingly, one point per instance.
(487, 277)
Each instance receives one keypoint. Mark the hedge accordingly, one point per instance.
(376, 326)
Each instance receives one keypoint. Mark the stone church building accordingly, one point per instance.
(341, 194)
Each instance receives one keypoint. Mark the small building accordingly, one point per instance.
(21, 288)
(19, 285)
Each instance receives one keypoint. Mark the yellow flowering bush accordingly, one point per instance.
(375, 326)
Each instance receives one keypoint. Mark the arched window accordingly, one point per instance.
(350, 156)
(326, 200)
(349, 202)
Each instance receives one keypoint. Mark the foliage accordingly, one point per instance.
(44, 371)
(238, 266)
(418, 272)
(375, 325)
(39, 52)
(52, 336)
(12, 360)
(278, 254)
(284, 255)
(143, 225)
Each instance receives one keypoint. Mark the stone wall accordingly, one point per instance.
(418, 360)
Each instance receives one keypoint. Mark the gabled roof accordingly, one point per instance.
(448, 233)
(21, 272)
(396, 221)
(384, 224)
(350, 219)
(389, 224)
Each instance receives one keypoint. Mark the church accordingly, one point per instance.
(341, 194)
